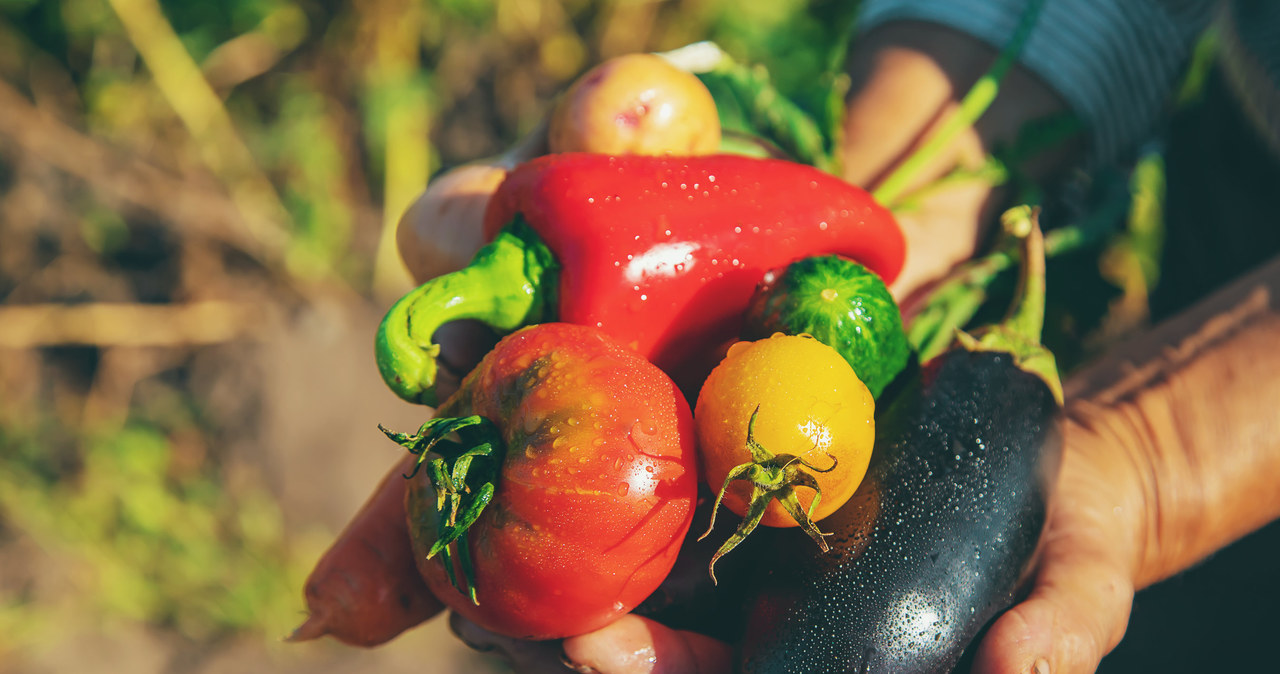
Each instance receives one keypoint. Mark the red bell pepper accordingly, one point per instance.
(662, 253)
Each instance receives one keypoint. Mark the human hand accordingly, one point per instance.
(907, 82)
(1083, 585)
(1170, 455)
(908, 79)
(1076, 613)
(630, 645)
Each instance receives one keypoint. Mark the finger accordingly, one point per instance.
(462, 344)
(635, 645)
(527, 657)
(944, 230)
(1076, 614)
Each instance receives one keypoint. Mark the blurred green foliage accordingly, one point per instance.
(321, 91)
(147, 535)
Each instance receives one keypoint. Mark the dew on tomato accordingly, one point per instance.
(597, 489)
(778, 397)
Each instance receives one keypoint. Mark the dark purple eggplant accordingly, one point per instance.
(943, 530)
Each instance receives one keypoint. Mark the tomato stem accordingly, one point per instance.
(462, 473)
(772, 477)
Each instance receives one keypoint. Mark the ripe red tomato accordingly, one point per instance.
(596, 490)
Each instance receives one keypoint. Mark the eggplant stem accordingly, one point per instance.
(1019, 334)
(1026, 315)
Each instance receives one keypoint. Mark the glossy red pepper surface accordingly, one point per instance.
(663, 253)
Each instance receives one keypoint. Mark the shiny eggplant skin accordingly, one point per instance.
(938, 539)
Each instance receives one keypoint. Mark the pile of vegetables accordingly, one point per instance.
(685, 307)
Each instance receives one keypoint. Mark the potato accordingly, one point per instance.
(636, 104)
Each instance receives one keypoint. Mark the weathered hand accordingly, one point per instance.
(1170, 454)
(1083, 588)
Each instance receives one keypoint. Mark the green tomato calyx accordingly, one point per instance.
(772, 477)
(463, 473)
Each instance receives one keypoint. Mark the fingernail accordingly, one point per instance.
(479, 647)
(580, 669)
(1041, 667)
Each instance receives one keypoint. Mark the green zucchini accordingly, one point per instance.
(841, 304)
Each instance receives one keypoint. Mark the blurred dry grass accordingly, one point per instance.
(197, 203)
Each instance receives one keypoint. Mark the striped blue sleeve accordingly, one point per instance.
(1115, 63)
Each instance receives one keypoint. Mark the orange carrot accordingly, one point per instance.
(366, 590)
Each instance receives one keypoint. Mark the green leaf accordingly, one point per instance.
(749, 104)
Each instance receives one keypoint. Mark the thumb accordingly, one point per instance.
(635, 645)
(1076, 614)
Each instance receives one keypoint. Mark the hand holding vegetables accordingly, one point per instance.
(668, 264)
(1170, 457)
(1167, 424)
(408, 321)
(1122, 447)
(941, 532)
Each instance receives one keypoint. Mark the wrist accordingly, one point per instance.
(1183, 418)
(1103, 483)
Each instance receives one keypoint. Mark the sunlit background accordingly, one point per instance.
(197, 211)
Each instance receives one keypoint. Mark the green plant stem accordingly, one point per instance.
(463, 474)
(511, 282)
(972, 106)
(773, 478)
(992, 172)
(1026, 316)
(955, 301)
